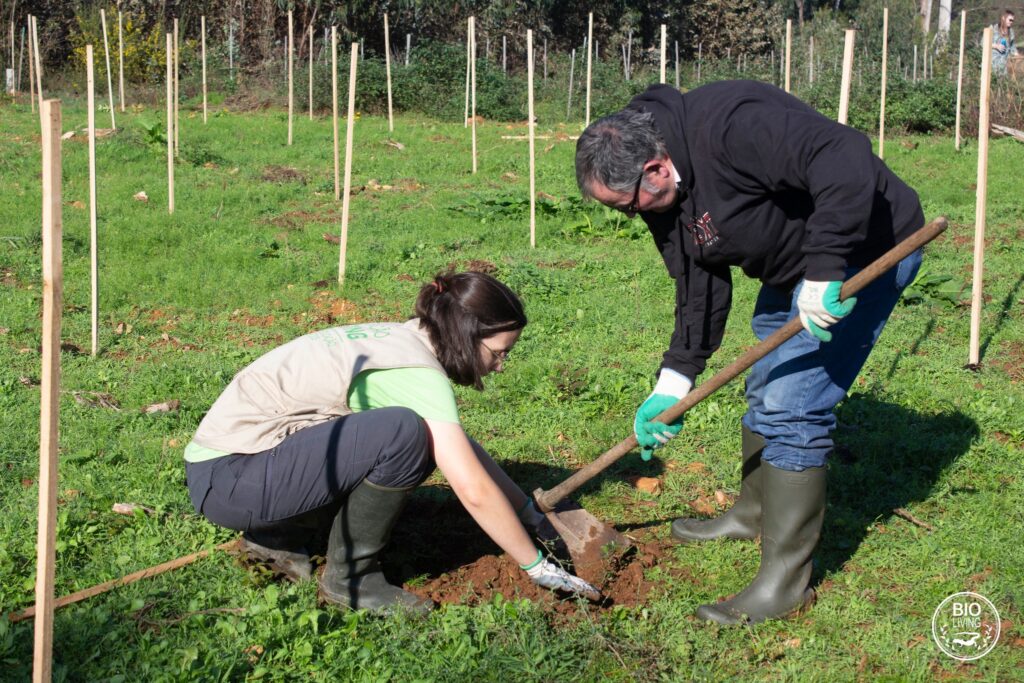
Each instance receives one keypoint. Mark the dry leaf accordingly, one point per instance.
(695, 467)
(141, 196)
(4, 330)
(209, 164)
(333, 239)
(396, 145)
(67, 136)
(233, 171)
(509, 175)
(173, 443)
(648, 485)
(77, 204)
(703, 507)
(26, 482)
(122, 328)
(671, 465)
(722, 498)
(104, 132)
(165, 407)
(130, 508)
(792, 642)
(29, 381)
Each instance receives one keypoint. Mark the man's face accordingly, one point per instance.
(655, 191)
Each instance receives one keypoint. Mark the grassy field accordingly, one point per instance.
(243, 265)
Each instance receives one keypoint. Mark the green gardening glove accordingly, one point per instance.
(820, 307)
(670, 388)
(652, 435)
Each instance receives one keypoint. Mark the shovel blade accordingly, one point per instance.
(586, 537)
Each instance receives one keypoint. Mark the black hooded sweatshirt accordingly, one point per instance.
(770, 185)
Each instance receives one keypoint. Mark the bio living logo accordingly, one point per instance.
(966, 626)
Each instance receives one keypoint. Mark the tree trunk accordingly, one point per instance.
(945, 14)
(800, 14)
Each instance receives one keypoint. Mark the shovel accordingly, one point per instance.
(585, 536)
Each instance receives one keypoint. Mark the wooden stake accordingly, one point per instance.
(39, 63)
(106, 55)
(334, 109)
(202, 31)
(387, 68)
(545, 60)
(700, 48)
(531, 125)
(789, 49)
(310, 73)
(810, 60)
(93, 258)
(171, 133)
(664, 39)
(106, 586)
(353, 63)
(590, 50)
(21, 57)
(885, 77)
(960, 76)
(915, 64)
(177, 74)
(844, 91)
(981, 196)
(408, 47)
(120, 62)
(291, 89)
(677, 64)
(472, 83)
(31, 66)
(572, 66)
(49, 391)
(469, 59)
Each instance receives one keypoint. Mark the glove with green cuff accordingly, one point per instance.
(547, 574)
(821, 308)
(651, 435)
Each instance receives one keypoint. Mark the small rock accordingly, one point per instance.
(141, 196)
(650, 485)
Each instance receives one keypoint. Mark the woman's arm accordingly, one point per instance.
(483, 488)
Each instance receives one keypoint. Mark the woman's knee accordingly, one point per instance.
(406, 460)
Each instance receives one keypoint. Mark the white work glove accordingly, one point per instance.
(671, 387)
(547, 574)
(820, 307)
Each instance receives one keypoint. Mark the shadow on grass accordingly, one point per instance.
(887, 457)
(1004, 313)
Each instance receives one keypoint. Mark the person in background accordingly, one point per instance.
(1004, 44)
(742, 174)
(334, 429)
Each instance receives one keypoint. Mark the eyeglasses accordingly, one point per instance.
(633, 207)
(499, 356)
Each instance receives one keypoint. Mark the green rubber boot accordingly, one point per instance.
(743, 519)
(352, 576)
(794, 507)
(279, 552)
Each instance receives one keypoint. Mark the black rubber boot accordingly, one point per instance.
(281, 551)
(743, 519)
(794, 507)
(352, 576)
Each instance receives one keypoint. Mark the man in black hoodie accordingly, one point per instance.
(739, 173)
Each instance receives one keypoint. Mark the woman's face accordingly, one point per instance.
(494, 350)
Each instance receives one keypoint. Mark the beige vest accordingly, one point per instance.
(306, 381)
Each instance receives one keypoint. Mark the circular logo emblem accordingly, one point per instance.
(966, 626)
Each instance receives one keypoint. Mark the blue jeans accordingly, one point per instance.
(792, 391)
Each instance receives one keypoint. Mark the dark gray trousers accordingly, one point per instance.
(312, 470)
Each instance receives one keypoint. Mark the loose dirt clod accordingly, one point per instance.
(463, 566)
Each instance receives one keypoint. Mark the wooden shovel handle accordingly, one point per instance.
(546, 500)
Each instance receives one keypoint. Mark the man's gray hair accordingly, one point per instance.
(612, 151)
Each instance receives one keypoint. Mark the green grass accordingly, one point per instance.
(239, 268)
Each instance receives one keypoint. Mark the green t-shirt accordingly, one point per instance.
(425, 391)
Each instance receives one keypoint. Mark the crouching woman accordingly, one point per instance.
(331, 431)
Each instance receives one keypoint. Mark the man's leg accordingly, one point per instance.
(791, 394)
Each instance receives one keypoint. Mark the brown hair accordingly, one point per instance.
(458, 310)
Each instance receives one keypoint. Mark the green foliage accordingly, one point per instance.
(145, 51)
(929, 288)
(242, 266)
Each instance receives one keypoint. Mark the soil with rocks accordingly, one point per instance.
(437, 551)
